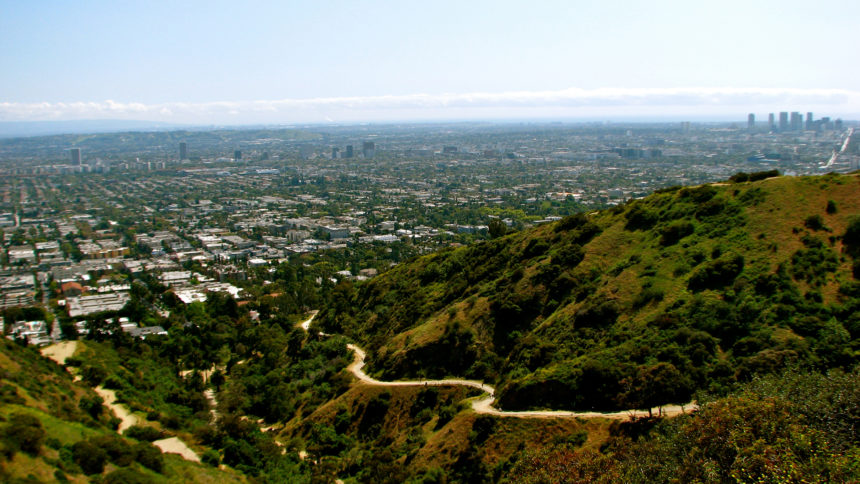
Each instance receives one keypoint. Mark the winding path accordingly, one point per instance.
(485, 405)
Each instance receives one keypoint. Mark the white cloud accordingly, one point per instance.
(573, 102)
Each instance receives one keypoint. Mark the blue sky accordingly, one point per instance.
(319, 61)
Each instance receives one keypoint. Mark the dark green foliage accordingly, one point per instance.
(741, 177)
(648, 295)
(497, 228)
(93, 375)
(126, 476)
(569, 256)
(24, 432)
(654, 385)
(571, 222)
(793, 427)
(640, 218)
(482, 428)
(211, 457)
(118, 450)
(753, 196)
(597, 313)
(149, 456)
(92, 405)
(831, 207)
(851, 238)
(813, 263)
(717, 273)
(144, 433)
(90, 457)
(698, 195)
(535, 248)
(676, 231)
(814, 222)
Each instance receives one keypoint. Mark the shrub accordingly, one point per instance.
(90, 457)
(831, 207)
(211, 457)
(851, 238)
(149, 456)
(717, 273)
(144, 433)
(671, 234)
(640, 218)
(24, 432)
(814, 222)
(126, 476)
(92, 406)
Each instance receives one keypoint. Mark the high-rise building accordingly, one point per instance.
(237, 155)
(783, 121)
(771, 122)
(368, 149)
(796, 121)
(76, 156)
(334, 153)
(810, 123)
(751, 121)
(349, 151)
(183, 151)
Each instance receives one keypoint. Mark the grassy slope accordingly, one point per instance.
(442, 314)
(418, 441)
(47, 391)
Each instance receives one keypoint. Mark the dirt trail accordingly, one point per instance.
(60, 351)
(306, 324)
(485, 405)
(175, 446)
(127, 419)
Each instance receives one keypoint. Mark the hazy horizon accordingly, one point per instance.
(204, 63)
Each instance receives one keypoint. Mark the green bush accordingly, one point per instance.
(144, 433)
(126, 476)
(90, 457)
(149, 456)
(24, 432)
(211, 457)
(717, 273)
(676, 231)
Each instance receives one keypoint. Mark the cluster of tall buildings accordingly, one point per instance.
(368, 150)
(794, 122)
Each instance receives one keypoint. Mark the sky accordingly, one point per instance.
(322, 61)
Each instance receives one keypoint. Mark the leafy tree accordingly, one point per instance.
(497, 228)
(24, 432)
(90, 457)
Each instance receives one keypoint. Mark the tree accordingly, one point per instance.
(24, 432)
(655, 385)
(497, 228)
(89, 456)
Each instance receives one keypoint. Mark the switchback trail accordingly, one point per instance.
(485, 405)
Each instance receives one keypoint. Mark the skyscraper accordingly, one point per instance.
(796, 121)
(368, 149)
(237, 155)
(771, 122)
(349, 151)
(783, 121)
(76, 156)
(183, 151)
(810, 124)
(334, 153)
(751, 122)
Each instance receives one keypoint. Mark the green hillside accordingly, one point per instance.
(54, 429)
(689, 289)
